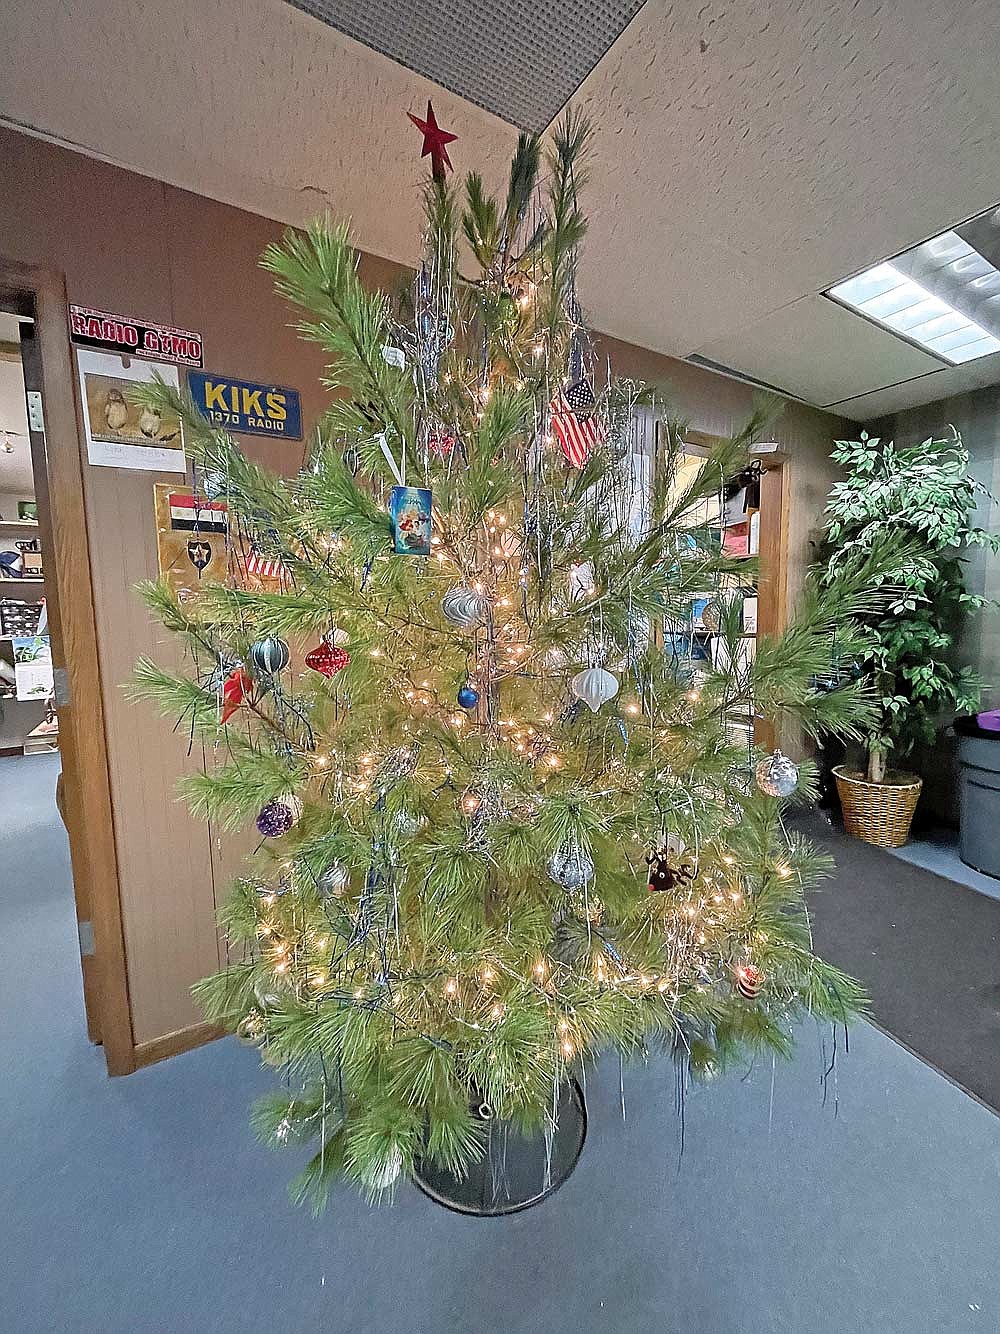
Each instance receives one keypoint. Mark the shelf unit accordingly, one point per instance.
(19, 525)
(25, 733)
(689, 640)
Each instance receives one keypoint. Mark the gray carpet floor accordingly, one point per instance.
(926, 948)
(144, 1204)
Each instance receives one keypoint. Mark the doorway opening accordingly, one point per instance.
(748, 517)
(37, 916)
(60, 915)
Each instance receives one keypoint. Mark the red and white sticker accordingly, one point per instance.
(137, 338)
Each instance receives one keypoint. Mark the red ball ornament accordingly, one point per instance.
(327, 659)
(441, 444)
(749, 980)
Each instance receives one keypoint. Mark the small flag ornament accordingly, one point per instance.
(264, 567)
(574, 424)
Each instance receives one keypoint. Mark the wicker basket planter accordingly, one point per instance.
(879, 813)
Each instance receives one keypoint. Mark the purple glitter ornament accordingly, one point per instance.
(277, 817)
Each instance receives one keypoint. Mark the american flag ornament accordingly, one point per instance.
(573, 422)
(581, 399)
(264, 567)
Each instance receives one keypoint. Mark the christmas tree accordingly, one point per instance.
(507, 820)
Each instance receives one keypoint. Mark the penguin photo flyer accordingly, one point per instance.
(120, 433)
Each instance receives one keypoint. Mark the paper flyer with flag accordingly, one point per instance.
(191, 538)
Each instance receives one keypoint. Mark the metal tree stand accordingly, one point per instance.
(515, 1172)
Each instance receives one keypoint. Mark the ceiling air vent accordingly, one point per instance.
(520, 59)
(718, 368)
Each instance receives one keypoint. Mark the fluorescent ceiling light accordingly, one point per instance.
(943, 295)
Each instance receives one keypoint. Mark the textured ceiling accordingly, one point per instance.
(747, 154)
(520, 59)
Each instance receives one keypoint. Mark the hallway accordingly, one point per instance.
(144, 1204)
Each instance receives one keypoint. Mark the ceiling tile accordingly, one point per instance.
(820, 352)
(744, 156)
(943, 383)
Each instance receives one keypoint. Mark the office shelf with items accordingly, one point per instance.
(25, 654)
(719, 626)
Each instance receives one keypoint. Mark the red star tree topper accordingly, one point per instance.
(435, 140)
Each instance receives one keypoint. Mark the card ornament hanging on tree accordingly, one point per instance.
(410, 509)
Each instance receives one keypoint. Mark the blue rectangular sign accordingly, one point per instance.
(245, 406)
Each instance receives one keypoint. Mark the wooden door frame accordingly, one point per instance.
(772, 568)
(56, 460)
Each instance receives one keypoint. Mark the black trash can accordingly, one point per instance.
(979, 796)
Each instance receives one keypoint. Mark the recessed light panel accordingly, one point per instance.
(520, 59)
(943, 295)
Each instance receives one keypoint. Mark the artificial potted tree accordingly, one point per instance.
(922, 499)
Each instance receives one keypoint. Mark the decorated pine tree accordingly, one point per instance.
(505, 820)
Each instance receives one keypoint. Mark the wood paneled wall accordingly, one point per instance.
(130, 244)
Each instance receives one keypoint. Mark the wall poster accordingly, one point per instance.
(120, 434)
(32, 667)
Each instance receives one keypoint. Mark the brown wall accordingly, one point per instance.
(132, 245)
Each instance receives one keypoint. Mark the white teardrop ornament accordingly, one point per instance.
(594, 686)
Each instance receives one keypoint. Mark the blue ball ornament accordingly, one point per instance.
(468, 697)
(269, 655)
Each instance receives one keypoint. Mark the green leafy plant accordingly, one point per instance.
(921, 498)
